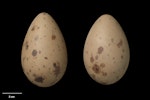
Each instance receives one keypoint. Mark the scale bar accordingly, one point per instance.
(11, 92)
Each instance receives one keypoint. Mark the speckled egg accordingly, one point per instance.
(44, 52)
(106, 51)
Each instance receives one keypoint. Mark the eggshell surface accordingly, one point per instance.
(106, 51)
(44, 53)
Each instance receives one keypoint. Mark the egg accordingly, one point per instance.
(44, 52)
(106, 51)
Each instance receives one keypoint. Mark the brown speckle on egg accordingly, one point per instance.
(100, 50)
(45, 58)
(43, 66)
(112, 40)
(39, 79)
(26, 45)
(121, 56)
(34, 52)
(91, 59)
(113, 58)
(104, 73)
(33, 28)
(53, 37)
(96, 68)
(34, 75)
(30, 70)
(102, 65)
(120, 43)
(56, 68)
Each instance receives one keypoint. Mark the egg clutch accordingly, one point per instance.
(44, 53)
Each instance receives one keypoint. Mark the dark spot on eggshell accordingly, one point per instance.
(56, 69)
(53, 22)
(34, 52)
(96, 68)
(43, 66)
(108, 55)
(104, 73)
(26, 45)
(53, 37)
(100, 50)
(39, 79)
(113, 58)
(102, 65)
(30, 70)
(91, 59)
(120, 43)
(33, 28)
(34, 75)
(122, 56)
(45, 58)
